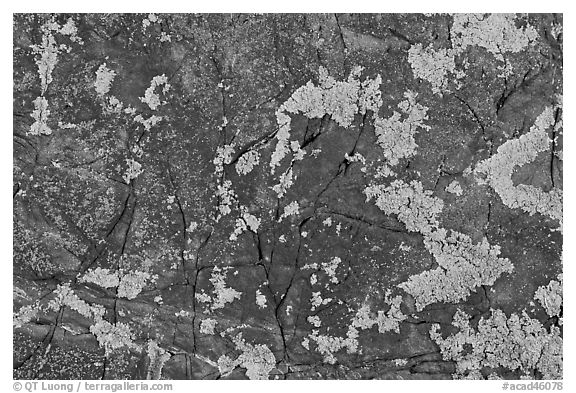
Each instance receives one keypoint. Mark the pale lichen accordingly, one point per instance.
(291, 209)
(330, 269)
(25, 315)
(246, 222)
(128, 285)
(413, 205)
(223, 156)
(157, 357)
(463, 264)
(497, 171)
(132, 283)
(112, 336)
(432, 65)
(258, 360)
(151, 98)
(65, 297)
(515, 343)
(40, 116)
(260, 299)
(396, 135)
(247, 162)
(497, 33)
(327, 345)
(386, 321)
(341, 100)
(149, 122)
(226, 196)
(149, 20)
(208, 325)
(454, 188)
(286, 181)
(104, 79)
(133, 171)
(222, 293)
(46, 60)
(101, 277)
(550, 297)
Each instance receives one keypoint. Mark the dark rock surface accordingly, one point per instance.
(149, 242)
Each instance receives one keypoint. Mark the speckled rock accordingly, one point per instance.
(287, 196)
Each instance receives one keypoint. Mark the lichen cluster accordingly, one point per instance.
(496, 33)
(222, 293)
(462, 264)
(550, 298)
(497, 170)
(257, 359)
(46, 59)
(517, 342)
(236, 210)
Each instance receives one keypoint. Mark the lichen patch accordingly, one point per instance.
(151, 98)
(517, 342)
(104, 79)
(497, 171)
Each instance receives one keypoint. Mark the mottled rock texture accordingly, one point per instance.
(287, 196)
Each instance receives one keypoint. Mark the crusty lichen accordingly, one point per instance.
(260, 299)
(341, 100)
(413, 205)
(291, 209)
(454, 188)
(101, 277)
(132, 283)
(385, 320)
(129, 285)
(46, 60)
(286, 181)
(432, 65)
(208, 325)
(316, 300)
(133, 171)
(258, 360)
(40, 116)
(110, 336)
(113, 336)
(226, 196)
(550, 297)
(497, 171)
(151, 98)
(331, 267)
(65, 297)
(463, 265)
(396, 136)
(157, 357)
(497, 33)
(245, 222)
(104, 79)
(25, 315)
(223, 156)
(147, 123)
(247, 162)
(222, 293)
(327, 345)
(146, 22)
(515, 342)
(314, 320)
